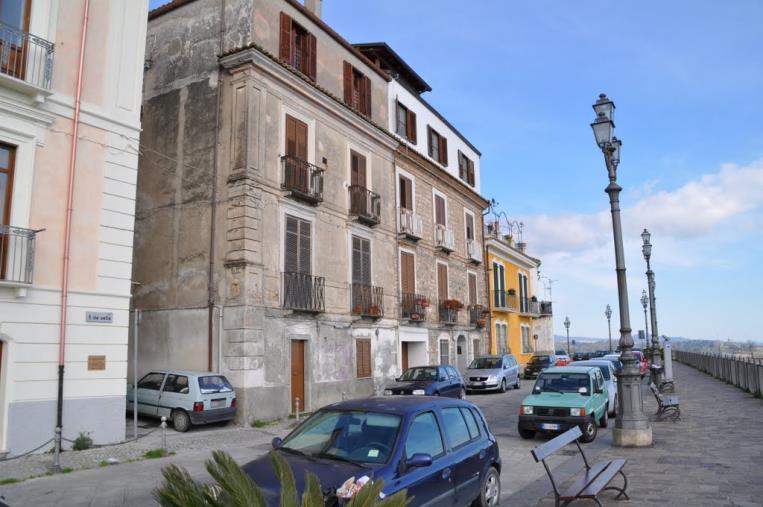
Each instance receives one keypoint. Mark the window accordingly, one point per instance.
(357, 169)
(452, 373)
(455, 426)
(357, 90)
(152, 381)
(476, 347)
(471, 423)
(297, 46)
(7, 161)
(296, 138)
(440, 216)
(406, 123)
(465, 168)
(438, 146)
(469, 222)
(424, 437)
(499, 286)
(502, 337)
(444, 352)
(176, 384)
(297, 247)
(524, 304)
(361, 261)
(363, 357)
(407, 272)
(526, 345)
(406, 193)
(214, 384)
(442, 281)
(472, 282)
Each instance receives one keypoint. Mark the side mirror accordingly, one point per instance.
(419, 459)
(599, 390)
(583, 391)
(397, 379)
(276, 442)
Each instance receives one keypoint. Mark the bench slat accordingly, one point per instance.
(543, 451)
(582, 482)
(602, 480)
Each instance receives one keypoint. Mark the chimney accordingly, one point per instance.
(522, 247)
(314, 6)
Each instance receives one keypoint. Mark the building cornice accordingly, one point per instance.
(513, 255)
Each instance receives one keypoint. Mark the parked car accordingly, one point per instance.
(492, 373)
(565, 397)
(440, 450)
(184, 397)
(562, 359)
(538, 363)
(608, 372)
(643, 364)
(615, 358)
(440, 380)
(599, 353)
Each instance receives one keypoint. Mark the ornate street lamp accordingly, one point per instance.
(645, 304)
(646, 249)
(608, 314)
(631, 424)
(567, 325)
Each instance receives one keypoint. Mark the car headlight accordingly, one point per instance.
(527, 409)
(387, 392)
(492, 378)
(577, 412)
(419, 392)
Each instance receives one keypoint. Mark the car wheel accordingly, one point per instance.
(490, 492)
(526, 434)
(605, 417)
(180, 420)
(462, 394)
(589, 431)
(436, 393)
(503, 385)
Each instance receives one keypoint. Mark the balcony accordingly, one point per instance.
(25, 58)
(443, 238)
(477, 315)
(545, 308)
(16, 255)
(413, 307)
(529, 306)
(365, 205)
(409, 224)
(303, 180)
(474, 251)
(448, 311)
(367, 300)
(504, 301)
(303, 292)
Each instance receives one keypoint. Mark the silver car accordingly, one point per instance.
(607, 368)
(184, 397)
(492, 373)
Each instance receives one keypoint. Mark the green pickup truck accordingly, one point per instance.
(564, 397)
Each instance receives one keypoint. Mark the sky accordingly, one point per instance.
(518, 79)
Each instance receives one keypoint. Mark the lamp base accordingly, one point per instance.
(630, 437)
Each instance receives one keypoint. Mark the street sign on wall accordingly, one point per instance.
(101, 317)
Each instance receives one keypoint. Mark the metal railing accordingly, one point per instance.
(745, 373)
(448, 314)
(546, 308)
(413, 307)
(25, 56)
(474, 250)
(16, 254)
(477, 316)
(503, 300)
(303, 179)
(409, 224)
(533, 307)
(443, 238)
(303, 292)
(365, 205)
(367, 300)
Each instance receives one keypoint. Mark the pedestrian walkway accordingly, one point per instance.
(713, 456)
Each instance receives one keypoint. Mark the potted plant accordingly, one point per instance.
(512, 292)
(356, 309)
(421, 301)
(480, 322)
(374, 310)
(452, 304)
(534, 299)
(416, 316)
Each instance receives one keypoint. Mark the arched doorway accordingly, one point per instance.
(461, 353)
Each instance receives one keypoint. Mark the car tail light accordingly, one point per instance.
(233, 403)
(198, 406)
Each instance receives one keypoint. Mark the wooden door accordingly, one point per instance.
(297, 176)
(403, 350)
(407, 273)
(7, 161)
(13, 48)
(297, 375)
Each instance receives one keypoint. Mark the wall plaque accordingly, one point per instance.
(96, 362)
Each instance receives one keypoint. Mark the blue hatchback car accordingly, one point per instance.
(440, 450)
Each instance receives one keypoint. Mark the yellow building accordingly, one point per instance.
(520, 323)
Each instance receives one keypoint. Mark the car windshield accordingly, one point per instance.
(214, 384)
(486, 363)
(561, 382)
(539, 359)
(424, 373)
(355, 436)
(603, 367)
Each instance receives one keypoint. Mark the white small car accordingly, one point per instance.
(184, 397)
(608, 371)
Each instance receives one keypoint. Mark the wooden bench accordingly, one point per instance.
(668, 406)
(591, 481)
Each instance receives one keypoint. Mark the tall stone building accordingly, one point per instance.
(268, 232)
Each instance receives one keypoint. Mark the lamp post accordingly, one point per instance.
(608, 314)
(567, 325)
(645, 304)
(646, 249)
(631, 424)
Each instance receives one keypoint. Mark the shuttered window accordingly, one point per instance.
(438, 146)
(361, 261)
(357, 89)
(465, 168)
(357, 169)
(297, 248)
(406, 193)
(523, 303)
(297, 46)
(444, 352)
(469, 226)
(296, 138)
(439, 210)
(406, 122)
(499, 286)
(363, 357)
(407, 273)
(442, 281)
(472, 288)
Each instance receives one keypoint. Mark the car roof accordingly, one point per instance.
(190, 373)
(398, 404)
(592, 362)
(569, 369)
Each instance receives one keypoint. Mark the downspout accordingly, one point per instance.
(213, 211)
(67, 233)
(487, 288)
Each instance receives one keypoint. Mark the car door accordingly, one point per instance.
(600, 392)
(467, 449)
(148, 390)
(513, 377)
(432, 485)
(174, 394)
(454, 382)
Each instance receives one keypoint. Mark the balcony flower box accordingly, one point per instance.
(416, 317)
(452, 304)
(374, 311)
(481, 322)
(422, 302)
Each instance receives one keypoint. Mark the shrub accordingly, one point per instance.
(82, 442)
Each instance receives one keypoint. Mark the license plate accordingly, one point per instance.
(549, 426)
(218, 403)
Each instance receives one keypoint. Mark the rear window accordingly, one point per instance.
(540, 359)
(455, 426)
(214, 384)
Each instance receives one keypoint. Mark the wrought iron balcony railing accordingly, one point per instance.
(529, 306)
(303, 292)
(443, 238)
(303, 179)
(367, 300)
(448, 312)
(474, 250)
(16, 254)
(365, 205)
(477, 315)
(413, 307)
(409, 224)
(25, 56)
(545, 308)
(504, 300)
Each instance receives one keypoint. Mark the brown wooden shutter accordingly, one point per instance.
(356, 267)
(361, 261)
(304, 247)
(407, 273)
(363, 357)
(291, 136)
(461, 165)
(472, 289)
(291, 247)
(348, 83)
(284, 48)
(443, 151)
(301, 140)
(470, 173)
(311, 56)
(406, 193)
(411, 126)
(429, 140)
(442, 282)
(439, 210)
(367, 95)
(469, 227)
(358, 169)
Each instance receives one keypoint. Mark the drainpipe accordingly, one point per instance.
(67, 235)
(489, 319)
(220, 339)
